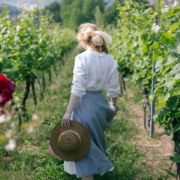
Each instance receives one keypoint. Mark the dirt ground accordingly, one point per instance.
(159, 149)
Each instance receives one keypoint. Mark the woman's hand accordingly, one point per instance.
(113, 102)
(52, 152)
(65, 123)
(117, 107)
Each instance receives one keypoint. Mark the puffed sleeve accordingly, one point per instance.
(79, 77)
(113, 85)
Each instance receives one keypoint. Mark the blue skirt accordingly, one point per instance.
(96, 114)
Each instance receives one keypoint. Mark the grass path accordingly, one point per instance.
(32, 160)
(157, 150)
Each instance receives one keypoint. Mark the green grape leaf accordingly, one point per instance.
(177, 127)
(173, 27)
(1, 64)
(154, 57)
(161, 104)
(21, 33)
(169, 83)
(13, 69)
(8, 23)
(23, 25)
(158, 92)
(153, 16)
(151, 98)
(172, 47)
(155, 45)
(177, 76)
(171, 59)
(15, 54)
(172, 102)
(144, 38)
(176, 92)
(3, 30)
(37, 73)
(162, 112)
(175, 158)
(167, 35)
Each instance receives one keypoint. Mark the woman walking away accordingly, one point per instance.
(94, 70)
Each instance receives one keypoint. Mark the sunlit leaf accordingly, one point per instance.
(15, 54)
(155, 57)
(2, 137)
(173, 27)
(167, 35)
(154, 45)
(153, 16)
(161, 104)
(34, 124)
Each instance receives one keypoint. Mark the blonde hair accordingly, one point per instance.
(88, 39)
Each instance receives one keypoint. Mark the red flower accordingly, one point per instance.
(2, 112)
(3, 82)
(11, 87)
(7, 95)
(3, 100)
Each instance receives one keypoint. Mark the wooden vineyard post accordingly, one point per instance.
(33, 92)
(43, 82)
(25, 93)
(152, 89)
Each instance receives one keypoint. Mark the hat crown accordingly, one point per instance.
(81, 142)
(69, 141)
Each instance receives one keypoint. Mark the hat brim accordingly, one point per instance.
(81, 151)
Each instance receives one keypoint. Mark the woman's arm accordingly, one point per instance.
(113, 89)
(77, 89)
(65, 123)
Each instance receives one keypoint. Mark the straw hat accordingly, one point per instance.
(70, 144)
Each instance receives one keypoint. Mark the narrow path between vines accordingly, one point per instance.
(157, 150)
(133, 154)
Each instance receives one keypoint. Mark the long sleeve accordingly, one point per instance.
(113, 85)
(79, 78)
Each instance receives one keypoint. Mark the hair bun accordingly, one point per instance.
(97, 40)
(88, 33)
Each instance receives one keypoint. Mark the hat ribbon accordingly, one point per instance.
(98, 36)
(74, 133)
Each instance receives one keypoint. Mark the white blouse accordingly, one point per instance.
(94, 71)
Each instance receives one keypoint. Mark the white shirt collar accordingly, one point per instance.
(94, 53)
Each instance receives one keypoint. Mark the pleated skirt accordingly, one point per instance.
(96, 114)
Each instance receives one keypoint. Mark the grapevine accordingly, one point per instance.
(135, 38)
(28, 48)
